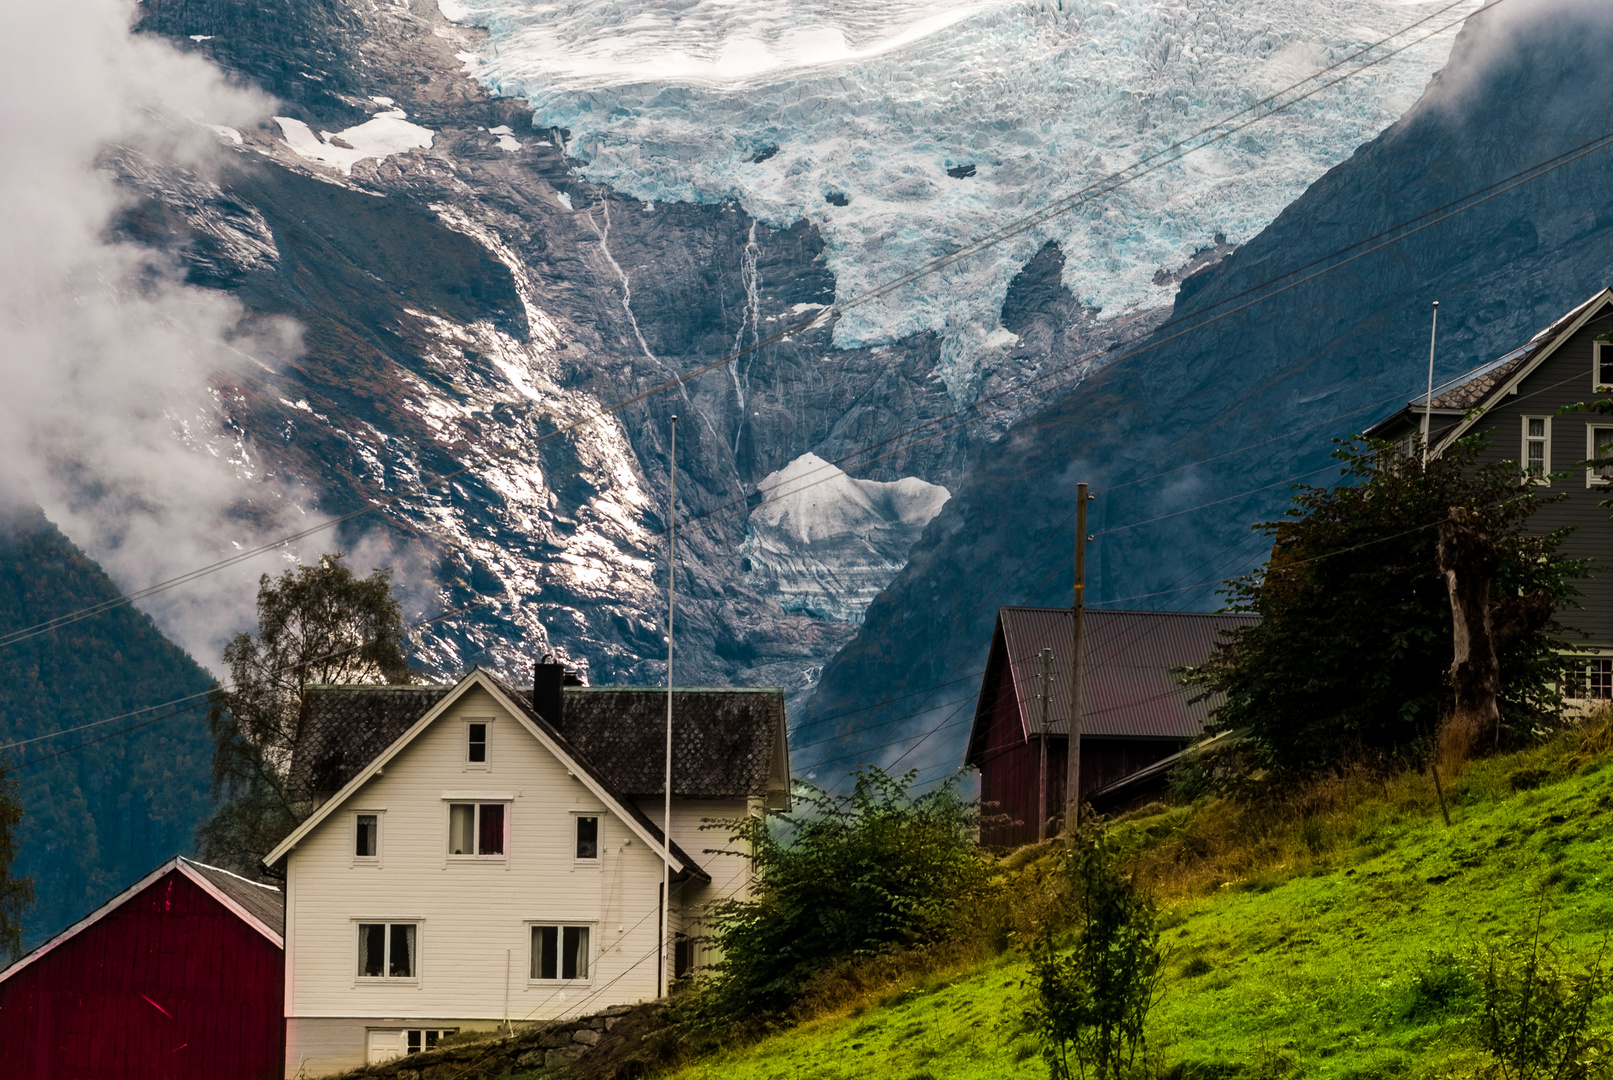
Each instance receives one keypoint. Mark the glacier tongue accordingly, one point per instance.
(826, 543)
(785, 106)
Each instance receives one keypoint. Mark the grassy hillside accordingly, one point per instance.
(1335, 937)
(96, 817)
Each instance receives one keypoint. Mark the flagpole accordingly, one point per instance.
(666, 820)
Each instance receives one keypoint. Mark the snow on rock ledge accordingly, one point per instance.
(826, 543)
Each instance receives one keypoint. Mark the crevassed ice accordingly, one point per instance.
(876, 101)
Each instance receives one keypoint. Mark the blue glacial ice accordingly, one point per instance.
(870, 104)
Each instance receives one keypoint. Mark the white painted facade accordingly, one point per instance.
(473, 915)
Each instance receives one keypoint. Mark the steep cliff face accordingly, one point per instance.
(1189, 441)
(467, 301)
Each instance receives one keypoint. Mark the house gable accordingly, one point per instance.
(519, 717)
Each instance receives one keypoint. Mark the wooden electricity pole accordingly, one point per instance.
(1044, 690)
(1072, 783)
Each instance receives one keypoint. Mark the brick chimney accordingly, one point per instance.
(548, 693)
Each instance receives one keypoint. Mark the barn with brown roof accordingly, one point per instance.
(1136, 711)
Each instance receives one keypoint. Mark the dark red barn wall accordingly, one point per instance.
(170, 985)
(1103, 761)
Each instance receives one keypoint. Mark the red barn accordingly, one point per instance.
(180, 977)
(1136, 711)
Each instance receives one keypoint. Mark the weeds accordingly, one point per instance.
(1536, 1019)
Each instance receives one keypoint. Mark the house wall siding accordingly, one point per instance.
(1564, 378)
(473, 936)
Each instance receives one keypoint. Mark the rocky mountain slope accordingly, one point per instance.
(1202, 432)
(467, 301)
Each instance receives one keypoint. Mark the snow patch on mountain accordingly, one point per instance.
(379, 137)
(826, 543)
(906, 129)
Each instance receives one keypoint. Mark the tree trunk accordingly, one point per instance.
(1468, 560)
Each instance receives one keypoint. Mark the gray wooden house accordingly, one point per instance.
(1516, 398)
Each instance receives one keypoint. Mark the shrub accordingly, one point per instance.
(1536, 1017)
(858, 875)
(1093, 1001)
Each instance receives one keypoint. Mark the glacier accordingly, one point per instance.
(850, 115)
(826, 543)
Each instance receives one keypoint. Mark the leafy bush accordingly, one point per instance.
(843, 876)
(1536, 1017)
(1093, 1001)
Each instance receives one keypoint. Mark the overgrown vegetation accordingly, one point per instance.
(1340, 932)
(852, 877)
(316, 624)
(1093, 1000)
(1352, 656)
(16, 893)
(1537, 1018)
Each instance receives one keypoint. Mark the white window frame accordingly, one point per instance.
(403, 1040)
(359, 921)
(450, 799)
(599, 837)
(1544, 478)
(560, 926)
(485, 765)
(1597, 362)
(1592, 480)
(1586, 680)
(380, 832)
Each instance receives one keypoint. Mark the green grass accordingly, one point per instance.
(1337, 963)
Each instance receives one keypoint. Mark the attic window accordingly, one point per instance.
(587, 837)
(476, 742)
(367, 836)
(1537, 447)
(476, 829)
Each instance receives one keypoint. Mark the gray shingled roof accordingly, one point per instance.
(266, 903)
(1132, 692)
(724, 740)
(344, 728)
(1473, 388)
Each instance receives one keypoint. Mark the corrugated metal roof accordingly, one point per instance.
(1131, 692)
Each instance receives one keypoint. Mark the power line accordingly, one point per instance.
(1062, 206)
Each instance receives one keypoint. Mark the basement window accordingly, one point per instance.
(420, 1039)
(387, 951)
(476, 829)
(587, 837)
(1590, 680)
(559, 953)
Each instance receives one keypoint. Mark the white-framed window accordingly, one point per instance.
(367, 837)
(1601, 364)
(585, 831)
(478, 830)
(478, 742)
(1536, 455)
(388, 951)
(560, 952)
(1589, 679)
(1598, 444)
(388, 1044)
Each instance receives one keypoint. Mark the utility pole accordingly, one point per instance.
(1044, 690)
(1072, 784)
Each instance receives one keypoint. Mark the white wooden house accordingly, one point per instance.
(477, 860)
